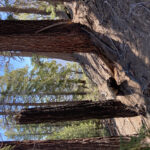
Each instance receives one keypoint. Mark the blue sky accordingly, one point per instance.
(19, 64)
(3, 16)
(2, 136)
(15, 64)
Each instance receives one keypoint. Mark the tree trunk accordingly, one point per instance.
(120, 30)
(44, 36)
(77, 111)
(112, 143)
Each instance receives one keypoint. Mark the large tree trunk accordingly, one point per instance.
(81, 110)
(112, 143)
(120, 29)
(44, 36)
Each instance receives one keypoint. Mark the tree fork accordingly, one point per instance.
(81, 110)
(44, 36)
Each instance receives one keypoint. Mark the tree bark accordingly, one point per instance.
(112, 143)
(44, 36)
(77, 111)
(120, 30)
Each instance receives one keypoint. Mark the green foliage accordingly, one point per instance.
(38, 5)
(33, 85)
(10, 17)
(51, 9)
(31, 132)
(42, 79)
(136, 142)
(84, 129)
(70, 130)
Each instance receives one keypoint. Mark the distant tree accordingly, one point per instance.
(45, 82)
(40, 9)
(24, 10)
(81, 110)
(16, 11)
(66, 130)
(19, 89)
(84, 129)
